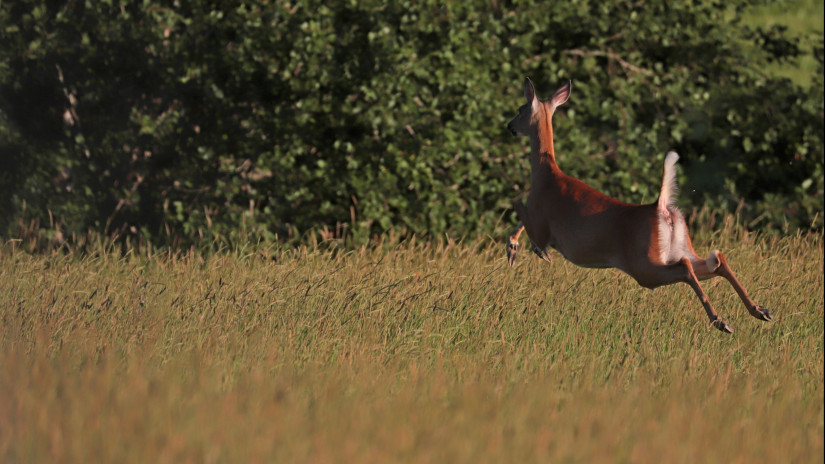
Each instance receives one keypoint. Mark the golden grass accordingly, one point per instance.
(412, 352)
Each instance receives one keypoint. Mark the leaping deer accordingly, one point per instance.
(591, 229)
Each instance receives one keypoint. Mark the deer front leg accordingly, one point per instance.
(528, 225)
(512, 240)
(513, 245)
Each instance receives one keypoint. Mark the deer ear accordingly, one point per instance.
(529, 91)
(561, 95)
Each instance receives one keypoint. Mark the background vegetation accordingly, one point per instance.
(242, 126)
(405, 352)
(177, 122)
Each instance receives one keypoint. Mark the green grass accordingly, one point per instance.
(411, 352)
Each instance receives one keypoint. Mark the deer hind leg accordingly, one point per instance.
(675, 247)
(693, 281)
(717, 265)
(653, 275)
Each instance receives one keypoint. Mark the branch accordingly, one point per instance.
(611, 55)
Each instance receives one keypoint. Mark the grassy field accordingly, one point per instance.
(410, 352)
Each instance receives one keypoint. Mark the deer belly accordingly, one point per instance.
(589, 263)
(583, 255)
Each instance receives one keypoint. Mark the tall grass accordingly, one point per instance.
(405, 352)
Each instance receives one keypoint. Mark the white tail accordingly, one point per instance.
(590, 229)
(667, 197)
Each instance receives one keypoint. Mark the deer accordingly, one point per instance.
(649, 242)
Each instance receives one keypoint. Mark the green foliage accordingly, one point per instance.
(172, 124)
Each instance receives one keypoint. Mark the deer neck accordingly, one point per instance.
(542, 155)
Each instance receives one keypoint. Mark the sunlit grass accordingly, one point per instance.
(411, 352)
(800, 16)
(804, 20)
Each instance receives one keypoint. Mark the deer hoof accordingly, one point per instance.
(512, 252)
(542, 253)
(722, 325)
(763, 314)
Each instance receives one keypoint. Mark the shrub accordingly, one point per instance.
(174, 124)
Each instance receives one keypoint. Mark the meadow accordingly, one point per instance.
(405, 351)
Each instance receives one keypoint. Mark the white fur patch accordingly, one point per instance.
(672, 236)
(713, 261)
(672, 228)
